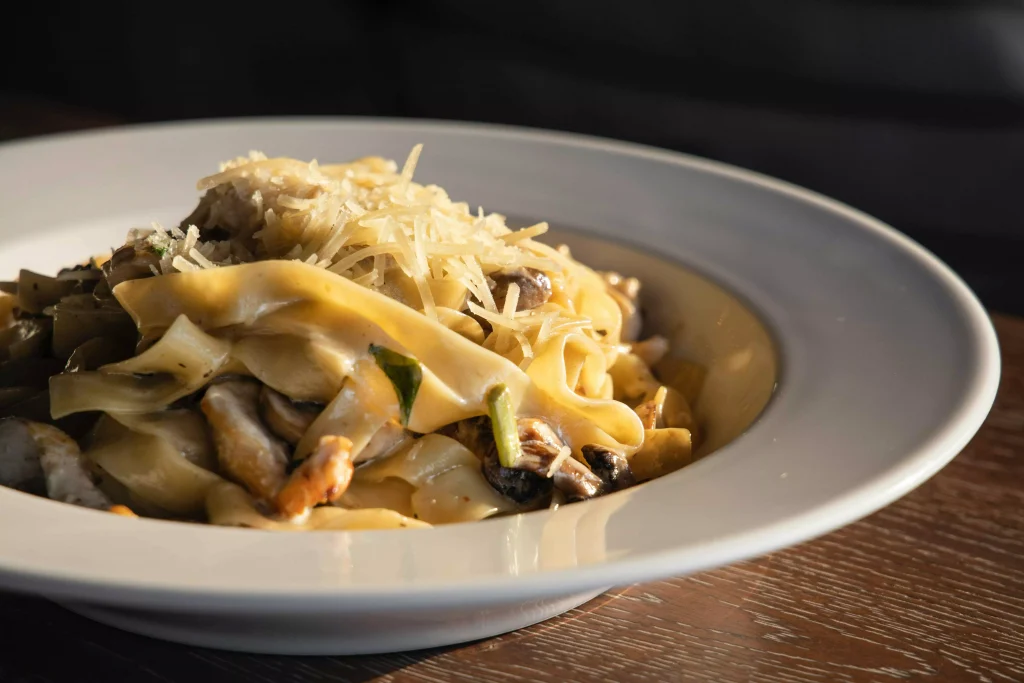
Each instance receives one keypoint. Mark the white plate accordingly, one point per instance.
(888, 367)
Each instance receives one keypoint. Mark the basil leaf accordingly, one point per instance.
(503, 424)
(405, 375)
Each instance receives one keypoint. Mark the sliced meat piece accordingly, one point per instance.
(610, 466)
(285, 417)
(67, 478)
(19, 457)
(247, 451)
(321, 478)
(534, 287)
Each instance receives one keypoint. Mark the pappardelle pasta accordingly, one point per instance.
(334, 347)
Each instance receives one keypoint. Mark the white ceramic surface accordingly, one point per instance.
(888, 367)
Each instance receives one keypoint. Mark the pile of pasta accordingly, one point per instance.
(340, 347)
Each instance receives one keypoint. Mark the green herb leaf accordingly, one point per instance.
(161, 251)
(503, 424)
(405, 375)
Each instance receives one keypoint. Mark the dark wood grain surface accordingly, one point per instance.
(930, 588)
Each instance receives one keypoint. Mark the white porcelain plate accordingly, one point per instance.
(886, 366)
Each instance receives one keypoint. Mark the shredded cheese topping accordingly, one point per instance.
(373, 224)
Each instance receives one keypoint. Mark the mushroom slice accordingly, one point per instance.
(321, 478)
(131, 262)
(534, 287)
(247, 451)
(610, 466)
(529, 490)
(286, 418)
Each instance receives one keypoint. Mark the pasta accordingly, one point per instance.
(334, 347)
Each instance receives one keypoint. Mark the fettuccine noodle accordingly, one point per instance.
(339, 347)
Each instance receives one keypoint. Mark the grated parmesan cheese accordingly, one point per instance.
(375, 225)
(556, 464)
(201, 260)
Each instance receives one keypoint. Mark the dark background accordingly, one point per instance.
(911, 111)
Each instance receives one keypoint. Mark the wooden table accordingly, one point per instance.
(929, 589)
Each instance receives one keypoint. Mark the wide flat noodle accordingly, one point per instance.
(421, 460)
(151, 468)
(583, 420)
(181, 362)
(357, 412)
(391, 493)
(296, 366)
(446, 484)
(592, 301)
(458, 495)
(229, 505)
(285, 297)
(185, 430)
(293, 296)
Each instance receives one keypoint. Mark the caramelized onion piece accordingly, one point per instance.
(321, 478)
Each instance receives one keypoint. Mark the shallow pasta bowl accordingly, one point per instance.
(846, 365)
